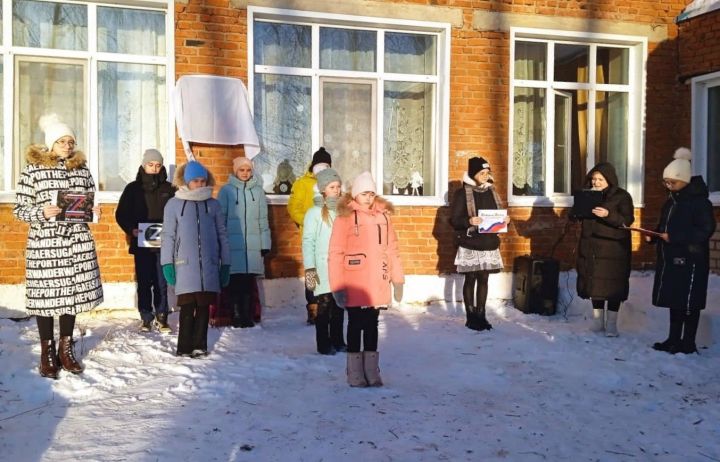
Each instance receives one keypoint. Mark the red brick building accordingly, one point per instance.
(408, 89)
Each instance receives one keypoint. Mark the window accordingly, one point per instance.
(102, 69)
(706, 131)
(576, 102)
(375, 97)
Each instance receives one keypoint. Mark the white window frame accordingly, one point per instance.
(441, 80)
(699, 96)
(636, 108)
(7, 194)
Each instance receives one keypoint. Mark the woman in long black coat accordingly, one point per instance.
(683, 253)
(603, 256)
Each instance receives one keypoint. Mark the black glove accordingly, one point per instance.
(264, 252)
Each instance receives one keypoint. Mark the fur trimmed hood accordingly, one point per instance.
(38, 154)
(179, 180)
(346, 205)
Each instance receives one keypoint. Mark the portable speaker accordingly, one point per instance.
(535, 284)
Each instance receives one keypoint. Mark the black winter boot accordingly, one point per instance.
(471, 320)
(337, 325)
(482, 321)
(200, 329)
(236, 314)
(672, 343)
(186, 330)
(322, 327)
(687, 344)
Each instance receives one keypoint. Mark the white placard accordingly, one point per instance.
(493, 221)
(149, 235)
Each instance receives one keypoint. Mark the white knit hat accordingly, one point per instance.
(364, 182)
(54, 129)
(679, 169)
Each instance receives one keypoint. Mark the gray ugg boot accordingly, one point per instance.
(372, 370)
(611, 325)
(598, 322)
(355, 372)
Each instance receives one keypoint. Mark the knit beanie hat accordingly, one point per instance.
(326, 177)
(364, 182)
(194, 170)
(321, 156)
(240, 161)
(475, 164)
(54, 129)
(679, 169)
(152, 155)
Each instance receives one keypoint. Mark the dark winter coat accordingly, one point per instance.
(604, 250)
(466, 235)
(143, 201)
(683, 264)
(194, 237)
(62, 275)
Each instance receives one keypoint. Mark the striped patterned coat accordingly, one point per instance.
(61, 267)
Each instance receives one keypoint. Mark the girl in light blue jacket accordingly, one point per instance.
(194, 254)
(317, 228)
(244, 205)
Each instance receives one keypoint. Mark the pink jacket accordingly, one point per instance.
(363, 256)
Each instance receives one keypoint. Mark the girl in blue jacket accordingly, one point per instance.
(245, 209)
(194, 254)
(317, 228)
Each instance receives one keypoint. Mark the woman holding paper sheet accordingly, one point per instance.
(604, 251)
(683, 253)
(478, 253)
(61, 266)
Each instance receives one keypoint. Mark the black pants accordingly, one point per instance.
(475, 289)
(192, 332)
(612, 305)
(151, 285)
(362, 323)
(46, 327)
(329, 323)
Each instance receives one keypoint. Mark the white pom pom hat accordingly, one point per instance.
(679, 169)
(54, 129)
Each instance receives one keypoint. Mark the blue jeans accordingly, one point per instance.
(151, 285)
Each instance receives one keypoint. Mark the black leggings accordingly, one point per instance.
(362, 322)
(612, 305)
(46, 328)
(475, 288)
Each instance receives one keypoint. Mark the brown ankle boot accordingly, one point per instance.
(48, 359)
(67, 356)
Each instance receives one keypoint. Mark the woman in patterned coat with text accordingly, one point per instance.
(61, 267)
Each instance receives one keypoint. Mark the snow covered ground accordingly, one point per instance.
(533, 389)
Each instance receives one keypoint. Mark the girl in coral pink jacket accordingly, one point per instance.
(363, 261)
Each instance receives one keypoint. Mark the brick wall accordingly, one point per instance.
(210, 37)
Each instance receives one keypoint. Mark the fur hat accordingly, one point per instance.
(679, 169)
(321, 156)
(364, 182)
(240, 161)
(475, 164)
(194, 170)
(325, 177)
(152, 155)
(54, 129)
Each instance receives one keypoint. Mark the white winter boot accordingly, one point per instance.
(598, 322)
(611, 326)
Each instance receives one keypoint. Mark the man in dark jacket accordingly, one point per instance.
(143, 201)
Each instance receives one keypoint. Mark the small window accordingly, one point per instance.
(286, 45)
(410, 54)
(127, 31)
(49, 25)
(706, 131)
(347, 49)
